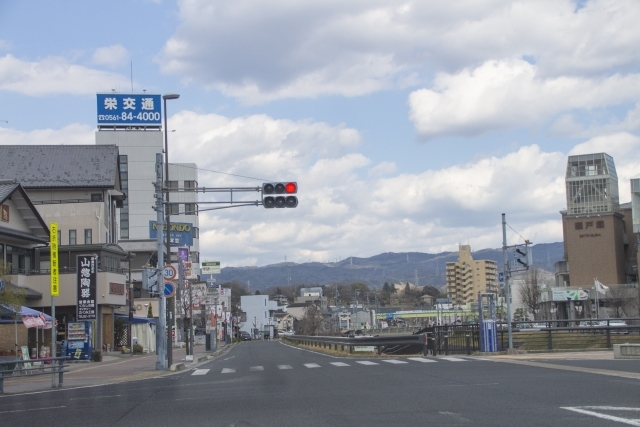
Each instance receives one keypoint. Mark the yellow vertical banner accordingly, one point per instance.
(53, 248)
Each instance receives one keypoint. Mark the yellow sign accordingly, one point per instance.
(53, 248)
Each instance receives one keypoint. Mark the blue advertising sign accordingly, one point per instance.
(129, 109)
(181, 233)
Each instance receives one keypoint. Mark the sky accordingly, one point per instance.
(408, 125)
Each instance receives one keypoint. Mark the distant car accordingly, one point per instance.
(540, 325)
(618, 324)
(287, 333)
(245, 336)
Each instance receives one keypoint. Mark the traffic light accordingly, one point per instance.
(523, 256)
(279, 194)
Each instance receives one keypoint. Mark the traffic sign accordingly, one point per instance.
(169, 290)
(501, 277)
(170, 272)
(210, 267)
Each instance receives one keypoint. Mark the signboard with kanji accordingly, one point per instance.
(53, 247)
(87, 280)
(120, 109)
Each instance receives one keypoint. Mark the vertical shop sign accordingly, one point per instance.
(87, 281)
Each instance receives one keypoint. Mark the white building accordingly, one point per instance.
(258, 315)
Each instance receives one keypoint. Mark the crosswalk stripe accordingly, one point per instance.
(395, 361)
(228, 371)
(200, 372)
(421, 359)
(366, 362)
(311, 365)
(284, 367)
(339, 364)
(453, 359)
(256, 368)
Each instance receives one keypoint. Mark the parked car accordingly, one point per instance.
(618, 324)
(245, 336)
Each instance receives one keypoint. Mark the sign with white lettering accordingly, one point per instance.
(181, 233)
(119, 109)
(87, 276)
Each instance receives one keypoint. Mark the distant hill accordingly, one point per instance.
(374, 271)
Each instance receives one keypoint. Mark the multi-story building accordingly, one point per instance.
(598, 232)
(468, 277)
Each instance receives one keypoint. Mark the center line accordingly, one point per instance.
(228, 371)
(311, 365)
(256, 368)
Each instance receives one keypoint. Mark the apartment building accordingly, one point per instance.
(467, 277)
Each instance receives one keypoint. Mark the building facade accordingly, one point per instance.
(468, 277)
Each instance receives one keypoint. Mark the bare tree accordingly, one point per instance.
(312, 320)
(621, 299)
(530, 292)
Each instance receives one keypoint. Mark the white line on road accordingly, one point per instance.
(311, 365)
(256, 368)
(452, 359)
(395, 361)
(229, 358)
(36, 409)
(200, 372)
(100, 397)
(284, 367)
(366, 362)
(580, 410)
(228, 371)
(421, 359)
(339, 364)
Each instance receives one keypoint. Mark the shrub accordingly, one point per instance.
(137, 349)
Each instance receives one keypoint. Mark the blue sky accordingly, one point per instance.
(410, 125)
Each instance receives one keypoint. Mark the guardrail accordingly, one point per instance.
(379, 342)
(49, 366)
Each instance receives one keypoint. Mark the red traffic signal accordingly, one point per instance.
(283, 188)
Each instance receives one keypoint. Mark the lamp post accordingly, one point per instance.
(170, 311)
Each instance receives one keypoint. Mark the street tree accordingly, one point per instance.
(530, 291)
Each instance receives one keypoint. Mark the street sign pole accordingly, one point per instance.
(507, 273)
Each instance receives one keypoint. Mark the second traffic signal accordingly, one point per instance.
(279, 194)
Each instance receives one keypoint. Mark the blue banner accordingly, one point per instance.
(181, 233)
(120, 109)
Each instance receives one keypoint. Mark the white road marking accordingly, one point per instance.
(101, 397)
(36, 409)
(395, 361)
(256, 368)
(339, 364)
(228, 371)
(200, 372)
(582, 410)
(229, 358)
(311, 365)
(284, 367)
(366, 362)
(421, 359)
(452, 359)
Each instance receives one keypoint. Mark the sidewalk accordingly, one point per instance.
(112, 369)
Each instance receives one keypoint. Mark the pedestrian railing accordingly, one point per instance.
(19, 369)
(349, 343)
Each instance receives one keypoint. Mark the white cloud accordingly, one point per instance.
(382, 168)
(5, 45)
(112, 56)
(69, 135)
(54, 75)
(352, 48)
(510, 93)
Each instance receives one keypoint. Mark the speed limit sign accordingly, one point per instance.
(170, 272)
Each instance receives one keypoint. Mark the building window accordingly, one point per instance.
(72, 237)
(96, 197)
(196, 232)
(174, 209)
(173, 185)
(190, 185)
(190, 209)
(87, 236)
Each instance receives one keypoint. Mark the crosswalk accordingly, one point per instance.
(343, 364)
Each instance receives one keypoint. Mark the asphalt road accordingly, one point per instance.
(271, 384)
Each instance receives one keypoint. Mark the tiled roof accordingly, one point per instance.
(6, 189)
(43, 166)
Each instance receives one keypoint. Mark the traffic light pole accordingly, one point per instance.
(507, 286)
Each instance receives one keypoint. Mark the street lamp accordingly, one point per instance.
(170, 312)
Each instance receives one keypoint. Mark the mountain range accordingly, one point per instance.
(376, 270)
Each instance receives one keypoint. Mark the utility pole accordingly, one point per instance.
(161, 360)
(507, 287)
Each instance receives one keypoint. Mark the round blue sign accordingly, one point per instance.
(169, 289)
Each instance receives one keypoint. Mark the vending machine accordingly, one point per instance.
(79, 340)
